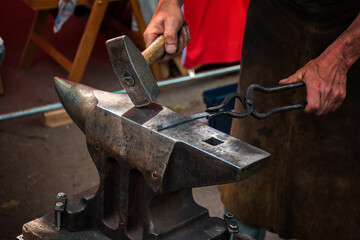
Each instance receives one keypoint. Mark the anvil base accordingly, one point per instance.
(44, 228)
(194, 223)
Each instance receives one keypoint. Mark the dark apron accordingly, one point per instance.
(311, 189)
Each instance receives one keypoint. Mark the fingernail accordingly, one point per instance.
(170, 49)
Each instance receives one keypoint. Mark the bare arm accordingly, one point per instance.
(168, 20)
(325, 76)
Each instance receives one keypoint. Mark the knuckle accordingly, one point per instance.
(313, 107)
(288, 80)
(327, 90)
(169, 36)
(317, 87)
(339, 94)
(342, 94)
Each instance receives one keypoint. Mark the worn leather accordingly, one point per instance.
(311, 188)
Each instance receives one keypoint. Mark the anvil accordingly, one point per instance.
(146, 176)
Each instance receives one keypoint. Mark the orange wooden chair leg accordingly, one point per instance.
(88, 40)
(30, 47)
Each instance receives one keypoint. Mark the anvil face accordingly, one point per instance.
(146, 176)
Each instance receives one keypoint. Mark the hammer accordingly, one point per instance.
(132, 68)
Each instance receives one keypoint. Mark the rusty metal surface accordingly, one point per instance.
(43, 229)
(132, 71)
(146, 176)
(115, 125)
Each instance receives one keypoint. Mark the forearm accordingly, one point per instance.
(178, 2)
(346, 48)
(168, 4)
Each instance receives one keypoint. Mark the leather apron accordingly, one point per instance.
(311, 189)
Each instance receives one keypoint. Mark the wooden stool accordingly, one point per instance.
(76, 67)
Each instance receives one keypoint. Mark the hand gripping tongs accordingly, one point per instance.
(247, 103)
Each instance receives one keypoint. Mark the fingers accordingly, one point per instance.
(321, 101)
(183, 38)
(149, 37)
(338, 96)
(168, 19)
(325, 86)
(175, 40)
(313, 93)
(296, 77)
(324, 100)
(171, 35)
(324, 96)
(313, 98)
(336, 105)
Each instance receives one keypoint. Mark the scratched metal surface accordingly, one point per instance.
(135, 133)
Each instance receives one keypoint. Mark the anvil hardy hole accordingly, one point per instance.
(213, 141)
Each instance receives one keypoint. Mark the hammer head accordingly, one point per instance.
(132, 71)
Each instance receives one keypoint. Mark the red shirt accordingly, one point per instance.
(217, 31)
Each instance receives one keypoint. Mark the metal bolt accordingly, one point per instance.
(154, 175)
(58, 221)
(229, 215)
(61, 195)
(129, 80)
(127, 77)
(233, 226)
(59, 207)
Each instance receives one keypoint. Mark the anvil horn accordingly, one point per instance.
(77, 99)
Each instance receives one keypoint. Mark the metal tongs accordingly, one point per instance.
(247, 103)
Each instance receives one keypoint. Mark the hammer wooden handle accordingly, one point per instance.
(155, 51)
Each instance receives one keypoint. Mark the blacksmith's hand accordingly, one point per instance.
(325, 76)
(168, 19)
(325, 80)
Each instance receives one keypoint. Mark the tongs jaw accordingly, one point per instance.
(247, 103)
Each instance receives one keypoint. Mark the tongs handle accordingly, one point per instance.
(248, 102)
(256, 114)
